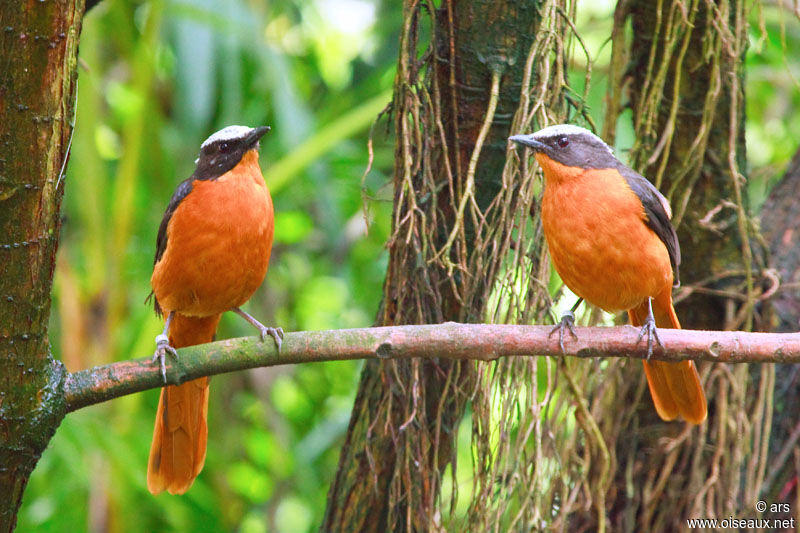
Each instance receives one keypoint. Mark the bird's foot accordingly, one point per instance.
(567, 323)
(275, 333)
(649, 329)
(160, 355)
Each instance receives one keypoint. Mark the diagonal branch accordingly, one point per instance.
(449, 340)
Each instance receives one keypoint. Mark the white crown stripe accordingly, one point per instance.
(227, 134)
(567, 129)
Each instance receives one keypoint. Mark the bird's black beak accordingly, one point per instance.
(529, 141)
(251, 141)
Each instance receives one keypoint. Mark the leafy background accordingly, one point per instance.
(156, 77)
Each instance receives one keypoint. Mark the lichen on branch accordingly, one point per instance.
(454, 341)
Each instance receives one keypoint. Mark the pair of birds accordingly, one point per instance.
(607, 227)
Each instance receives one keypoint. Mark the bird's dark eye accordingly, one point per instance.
(562, 142)
(224, 147)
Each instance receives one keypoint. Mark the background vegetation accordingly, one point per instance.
(156, 78)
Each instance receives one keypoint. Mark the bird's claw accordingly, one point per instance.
(160, 355)
(275, 333)
(567, 323)
(649, 329)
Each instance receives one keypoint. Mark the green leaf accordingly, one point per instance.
(249, 482)
(292, 226)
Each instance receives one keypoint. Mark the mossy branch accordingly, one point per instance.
(450, 340)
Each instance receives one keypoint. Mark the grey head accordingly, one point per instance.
(224, 149)
(570, 145)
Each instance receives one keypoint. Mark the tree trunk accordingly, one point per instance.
(780, 222)
(37, 95)
(686, 82)
(405, 418)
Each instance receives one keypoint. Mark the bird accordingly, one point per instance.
(612, 242)
(212, 252)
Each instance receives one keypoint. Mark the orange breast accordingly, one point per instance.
(600, 245)
(219, 241)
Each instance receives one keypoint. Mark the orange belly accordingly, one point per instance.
(218, 245)
(600, 245)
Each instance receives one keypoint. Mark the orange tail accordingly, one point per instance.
(178, 451)
(675, 387)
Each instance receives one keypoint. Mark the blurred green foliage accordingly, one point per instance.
(156, 78)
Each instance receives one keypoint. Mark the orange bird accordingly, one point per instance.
(212, 253)
(612, 243)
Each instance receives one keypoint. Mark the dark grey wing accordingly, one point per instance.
(657, 210)
(181, 192)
